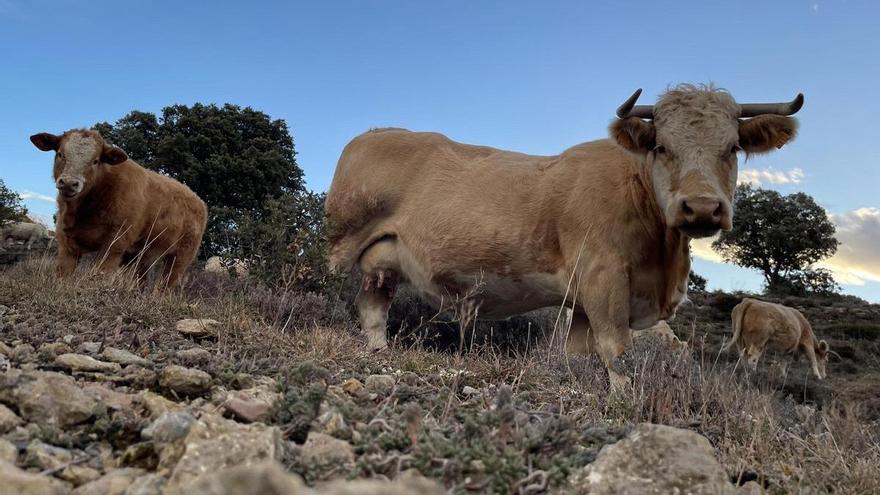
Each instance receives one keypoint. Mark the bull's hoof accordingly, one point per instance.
(619, 381)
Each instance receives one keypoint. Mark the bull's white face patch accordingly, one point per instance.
(75, 162)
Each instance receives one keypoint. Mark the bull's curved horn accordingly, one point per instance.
(838, 356)
(630, 109)
(787, 108)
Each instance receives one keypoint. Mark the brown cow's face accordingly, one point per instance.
(691, 149)
(81, 156)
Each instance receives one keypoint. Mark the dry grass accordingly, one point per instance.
(535, 417)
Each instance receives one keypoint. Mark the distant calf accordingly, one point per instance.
(109, 204)
(26, 232)
(216, 264)
(757, 324)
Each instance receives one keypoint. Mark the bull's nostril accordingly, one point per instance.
(686, 209)
(717, 213)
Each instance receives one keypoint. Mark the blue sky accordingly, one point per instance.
(536, 77)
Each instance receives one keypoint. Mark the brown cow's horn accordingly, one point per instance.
(630, 109)
(789, 108)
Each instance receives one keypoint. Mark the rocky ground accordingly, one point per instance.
(229, 388)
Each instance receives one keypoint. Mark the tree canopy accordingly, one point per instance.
(11, 208)
(781, 236)
(236, 159)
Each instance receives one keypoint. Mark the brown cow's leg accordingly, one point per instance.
(580, 339)
(606, 299)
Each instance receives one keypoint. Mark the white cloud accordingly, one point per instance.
(857, 260)
(30, 195)
(858, 257)
(814, 7)
(702, 248)
(757, 177)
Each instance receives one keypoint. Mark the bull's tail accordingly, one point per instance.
(736, 317)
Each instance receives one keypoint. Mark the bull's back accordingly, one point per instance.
(425, 184)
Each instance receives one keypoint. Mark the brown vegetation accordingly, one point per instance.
(493, 417)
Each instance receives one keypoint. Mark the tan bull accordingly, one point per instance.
(759, 324)
(602, 227)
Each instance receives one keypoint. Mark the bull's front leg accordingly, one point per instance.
(579, 340)
(111, 260)
(66, 258)
(605, 296)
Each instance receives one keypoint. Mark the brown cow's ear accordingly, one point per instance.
(634, 134)
(45, 141)
(113, 155)
(763, 133)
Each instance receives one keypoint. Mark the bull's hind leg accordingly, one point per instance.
(381, 276)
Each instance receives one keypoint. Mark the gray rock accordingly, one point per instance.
(81, 362)
(194, 355)
(8, 419)
(44, 456)
(380, 384)
(53, 349)
(22, 353)
(115, 482)
(124, 357)
(14, 480)
(197, 327)
(320, 448)
(8, 451)
(215, 443)
(655, 459)
(111, 398)
(156, 405)
(5, 350)
(408, 486)
(148, 484)
(169, 426)
(185, 381)
(265, 478)
(46, 398)
(89, 347)
(253, 404)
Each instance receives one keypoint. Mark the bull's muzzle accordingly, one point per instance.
(702, 217)
(69, 187)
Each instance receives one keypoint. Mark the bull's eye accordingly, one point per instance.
(95, 161)
(735, 149)
(660, 149)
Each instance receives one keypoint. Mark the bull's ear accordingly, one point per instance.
(823, 346)
(634, 134)
(113, 155)
(46, 142)
(763, 133)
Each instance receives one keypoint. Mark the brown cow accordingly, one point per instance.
(757, 324)
(109, 204)
(603, 226)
